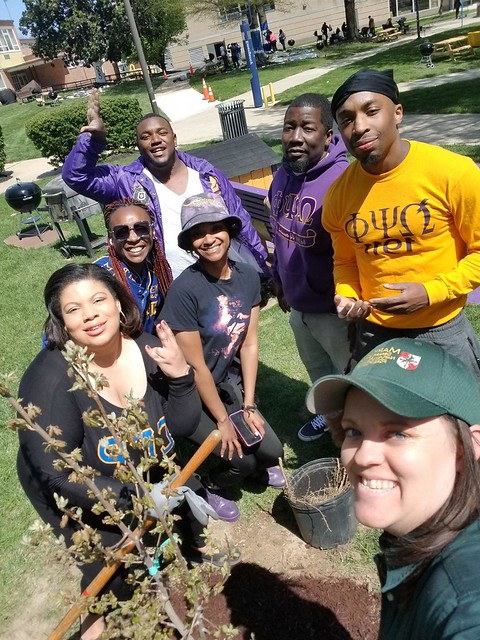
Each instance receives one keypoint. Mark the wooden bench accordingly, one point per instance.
(454, 47)
(253, 201)
(385, 35)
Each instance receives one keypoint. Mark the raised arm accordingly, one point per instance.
(80, 170)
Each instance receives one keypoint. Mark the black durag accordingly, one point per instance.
(366, 80)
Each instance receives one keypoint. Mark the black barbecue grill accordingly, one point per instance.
(25, 197)
(426, 49)
(64, 205)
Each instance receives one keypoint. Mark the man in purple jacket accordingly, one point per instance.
(161, 177)
(303, 258)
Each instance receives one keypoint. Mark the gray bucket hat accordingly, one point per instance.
(205, 207)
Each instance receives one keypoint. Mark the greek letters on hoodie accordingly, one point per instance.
(303, 256)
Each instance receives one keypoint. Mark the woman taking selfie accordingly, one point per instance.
(408, 427)
(88, 306)
(213, 308)
(135, 257)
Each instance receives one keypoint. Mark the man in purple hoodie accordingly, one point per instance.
(162, 178)
(303, 258)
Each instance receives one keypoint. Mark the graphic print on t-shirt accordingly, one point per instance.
(231, 322)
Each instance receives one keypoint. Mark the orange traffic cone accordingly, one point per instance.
(192, 70)
(210, 94)
(205, 89)
(165, 75)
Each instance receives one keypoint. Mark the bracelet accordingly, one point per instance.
(249, 408)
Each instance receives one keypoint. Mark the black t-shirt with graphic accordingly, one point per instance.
(218, 309)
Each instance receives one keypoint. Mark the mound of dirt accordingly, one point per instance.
(268, 606)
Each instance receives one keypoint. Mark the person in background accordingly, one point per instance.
(213, 310)
(235, 53)
(405, 225)
(272, 38)
(325, 29)
(90, 307)
(407, 419)
(336, 37)
(162, 177)
(371, 26)
(282, 38)
(224, 57)
(135, 257)
(344, 29)
(302, 266)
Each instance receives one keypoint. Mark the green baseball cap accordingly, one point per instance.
(412, 378)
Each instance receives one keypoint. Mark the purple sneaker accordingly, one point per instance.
(224, 508)
(272, 477)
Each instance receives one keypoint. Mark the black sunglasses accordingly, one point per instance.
(121, 232)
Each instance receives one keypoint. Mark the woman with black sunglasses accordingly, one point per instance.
(135, 257)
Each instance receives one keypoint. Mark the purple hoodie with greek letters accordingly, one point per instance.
(303, 256)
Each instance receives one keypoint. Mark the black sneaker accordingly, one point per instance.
(313, 429)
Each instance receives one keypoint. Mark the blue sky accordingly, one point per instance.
(11, 10)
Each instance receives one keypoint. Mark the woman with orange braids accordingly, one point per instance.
(135, 257)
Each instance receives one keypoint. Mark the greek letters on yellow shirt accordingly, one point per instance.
(419, 222)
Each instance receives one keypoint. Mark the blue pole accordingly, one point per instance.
(252, 65)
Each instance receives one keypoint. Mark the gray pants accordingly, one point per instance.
(456, 336)
(322, 342)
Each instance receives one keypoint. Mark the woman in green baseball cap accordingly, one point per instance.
(408, 422)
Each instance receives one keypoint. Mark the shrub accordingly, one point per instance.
(3, 155)
(54, 131)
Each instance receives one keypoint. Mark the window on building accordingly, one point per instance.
(398, 7)
(19, 80)
(8, 40)
(235, 12)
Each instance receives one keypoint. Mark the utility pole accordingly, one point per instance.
(417, 11)
(141, 56)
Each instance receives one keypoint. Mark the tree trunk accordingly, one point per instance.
(350, 18)
(262, 16)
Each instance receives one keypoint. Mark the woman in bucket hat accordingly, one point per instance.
(213, 308)
(407, 420)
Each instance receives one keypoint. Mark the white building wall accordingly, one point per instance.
(298, 23)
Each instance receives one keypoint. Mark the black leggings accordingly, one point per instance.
(255, 459)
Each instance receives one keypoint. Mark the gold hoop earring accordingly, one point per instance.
(123, 318)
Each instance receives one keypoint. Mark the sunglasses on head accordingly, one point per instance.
(121, 232)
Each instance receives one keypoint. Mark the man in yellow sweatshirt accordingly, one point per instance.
(405, 225)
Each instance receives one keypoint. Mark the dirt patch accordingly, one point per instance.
(268, 606)
(283, 590)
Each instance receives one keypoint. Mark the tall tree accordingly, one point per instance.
(92, 30)
(160, 23)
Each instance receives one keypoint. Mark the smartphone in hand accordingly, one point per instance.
(244, 433)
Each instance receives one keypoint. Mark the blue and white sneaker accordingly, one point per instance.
(313, 429)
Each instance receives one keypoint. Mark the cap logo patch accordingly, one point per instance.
(408, 361)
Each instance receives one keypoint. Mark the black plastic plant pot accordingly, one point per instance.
(326, 524)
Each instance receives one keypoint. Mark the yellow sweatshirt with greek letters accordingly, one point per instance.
(419, 222)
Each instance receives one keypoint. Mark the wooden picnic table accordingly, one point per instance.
(453, 46)
(383, 35)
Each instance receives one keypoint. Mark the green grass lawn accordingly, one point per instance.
(404, 59)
